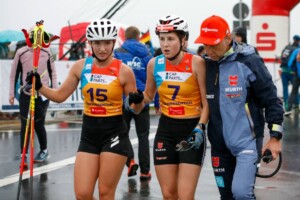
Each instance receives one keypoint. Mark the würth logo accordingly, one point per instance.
(233, 80)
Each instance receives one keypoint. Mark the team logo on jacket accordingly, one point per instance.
(215, 161)
(135, 63)
(234, 90)
(233, 80)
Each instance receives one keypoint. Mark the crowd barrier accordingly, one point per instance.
(75, 101)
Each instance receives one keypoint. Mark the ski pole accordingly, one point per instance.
(40, 39)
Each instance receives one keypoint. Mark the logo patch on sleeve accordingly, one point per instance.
(220, 181)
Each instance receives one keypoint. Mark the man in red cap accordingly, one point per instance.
(239, 86)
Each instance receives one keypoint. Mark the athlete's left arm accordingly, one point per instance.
(199, 70)
(127, 79)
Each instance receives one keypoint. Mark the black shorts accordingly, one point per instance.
(169, 133)
(104, 134)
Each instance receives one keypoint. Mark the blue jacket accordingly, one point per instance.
(293, 59)
(135, 55)
(239, 87)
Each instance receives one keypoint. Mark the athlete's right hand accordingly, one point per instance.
(136, 97)
(38, 83)
(133, 97)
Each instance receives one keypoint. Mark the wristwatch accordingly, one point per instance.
(202, 126)
(276, 131)
(276, 135)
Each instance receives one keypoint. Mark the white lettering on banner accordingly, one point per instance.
(74, 102)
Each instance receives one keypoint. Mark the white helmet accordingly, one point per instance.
(101, 29)
(171, 23)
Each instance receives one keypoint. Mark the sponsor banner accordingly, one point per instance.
(74, 102)
(270, 35)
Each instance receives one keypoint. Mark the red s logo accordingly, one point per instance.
(265, 41)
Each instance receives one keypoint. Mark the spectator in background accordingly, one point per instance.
(136, 55)
(201, 50)
(22, 64)
(294, 63)
(287, 72)
(74, 54)
(240, 36)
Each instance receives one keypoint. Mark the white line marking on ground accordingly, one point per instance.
(69, 161)
(63, 130)
(50, 167)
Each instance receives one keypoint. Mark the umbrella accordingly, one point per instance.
(11, 35)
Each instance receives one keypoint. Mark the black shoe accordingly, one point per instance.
(145, 176)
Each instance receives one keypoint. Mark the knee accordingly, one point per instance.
(106, 192)
(82, 195)
(169, 194)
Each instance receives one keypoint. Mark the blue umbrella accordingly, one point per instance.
(11, 35)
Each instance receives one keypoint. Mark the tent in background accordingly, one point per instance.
(69, 36)
(72, 45)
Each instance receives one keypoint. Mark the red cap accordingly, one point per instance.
(213, 30)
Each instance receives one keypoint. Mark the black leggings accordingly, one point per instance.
(39, 122)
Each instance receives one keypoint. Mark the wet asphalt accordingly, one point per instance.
(53, 179)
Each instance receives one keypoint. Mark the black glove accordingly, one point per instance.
(38, 83)
(136, 97)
